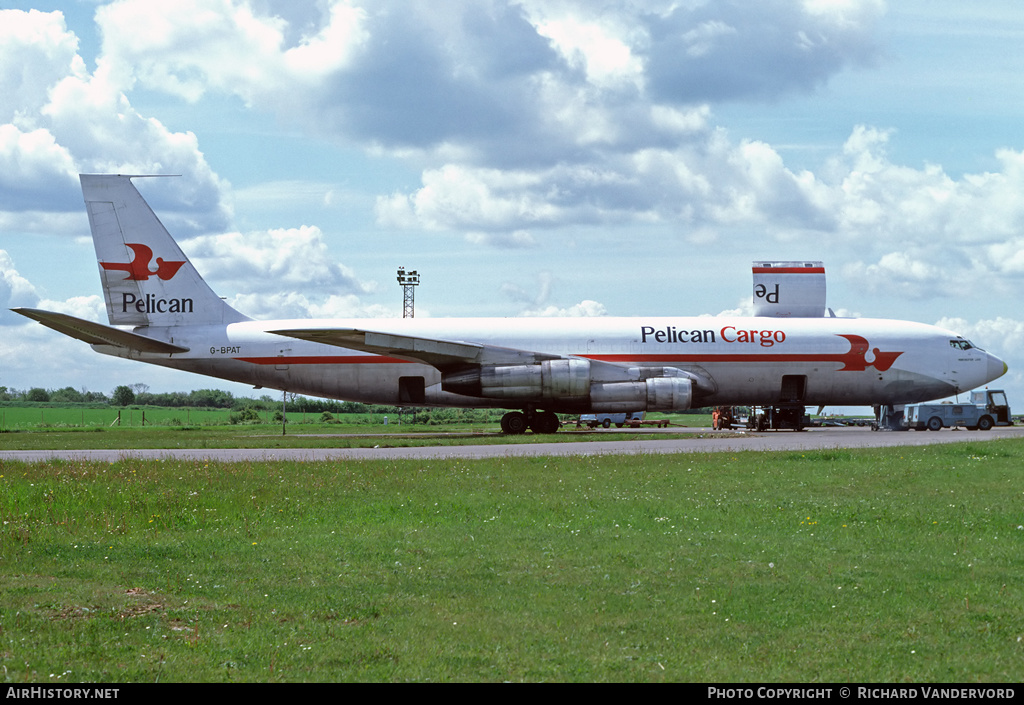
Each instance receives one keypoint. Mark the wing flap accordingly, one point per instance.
(97, 333)
(442, 354)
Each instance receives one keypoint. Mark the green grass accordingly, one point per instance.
(51, 416)
(22, 417)
(29, 434)
(871, 566)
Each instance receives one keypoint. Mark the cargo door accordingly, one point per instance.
(794, 389)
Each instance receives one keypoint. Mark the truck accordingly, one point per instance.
(606, 420)
(986, 408)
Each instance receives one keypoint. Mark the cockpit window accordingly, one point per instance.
(963, 344)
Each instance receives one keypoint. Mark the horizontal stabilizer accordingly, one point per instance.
(97, 333)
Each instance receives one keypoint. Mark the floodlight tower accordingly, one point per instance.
(408, 280)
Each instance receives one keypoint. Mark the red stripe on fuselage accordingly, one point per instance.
(853, 361)
(697, 359)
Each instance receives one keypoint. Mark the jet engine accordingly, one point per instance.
(571, 383)
(551, 379)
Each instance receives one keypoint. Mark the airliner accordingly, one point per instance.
(161, 311)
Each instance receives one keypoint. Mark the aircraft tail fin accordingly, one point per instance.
(147, 279)
(789, 289)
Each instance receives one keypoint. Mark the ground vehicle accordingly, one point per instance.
(987, 408)
(778, 418)
(606, 420)
(760, 418)
(995, 403)
(723, 417)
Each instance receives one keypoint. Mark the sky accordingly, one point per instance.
(526, 157)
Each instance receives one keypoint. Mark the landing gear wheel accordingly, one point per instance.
(545, 422)
(514, 423)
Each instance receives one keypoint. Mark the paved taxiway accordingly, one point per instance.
(811, 439)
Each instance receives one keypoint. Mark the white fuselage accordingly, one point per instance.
(762, 360)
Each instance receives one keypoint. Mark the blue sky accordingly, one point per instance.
(554, 157)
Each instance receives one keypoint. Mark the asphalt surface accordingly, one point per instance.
(603, 444)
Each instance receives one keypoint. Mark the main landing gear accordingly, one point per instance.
(516, 422)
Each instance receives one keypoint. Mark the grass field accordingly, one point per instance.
(18, 418)
(896, 565)
(25, 431)
(23, 417)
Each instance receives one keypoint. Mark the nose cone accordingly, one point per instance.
(996, 368)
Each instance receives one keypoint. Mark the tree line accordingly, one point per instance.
(124, 395)
(139, 395)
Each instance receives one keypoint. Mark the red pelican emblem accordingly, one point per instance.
(138, 268)
(856, 360)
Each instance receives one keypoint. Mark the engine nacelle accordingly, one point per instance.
(655, 394)
(569, 381)
(551, 379)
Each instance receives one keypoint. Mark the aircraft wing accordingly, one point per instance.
(442, 354)
(97, 333)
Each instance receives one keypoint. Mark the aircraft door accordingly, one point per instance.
(412, 390)
(794, 389)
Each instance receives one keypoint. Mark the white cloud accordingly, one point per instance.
(998, 334)
(190, 47)
(519, 239)
(456, 197)
(90, 308)
(900, 274)
(702, 39)
(36, 51)
(18, 292)
(15, 290)
(300, 306)
(569, 83)
(535, 302)
(473, 72)
(57, 120)
(271, 260)
(710, 183)
(593, 44)
(30, 164)
(584, 308)
(845, 13)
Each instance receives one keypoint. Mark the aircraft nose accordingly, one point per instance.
(996, 367)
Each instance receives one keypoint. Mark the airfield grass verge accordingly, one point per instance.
(837, 565)
(311, 435)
